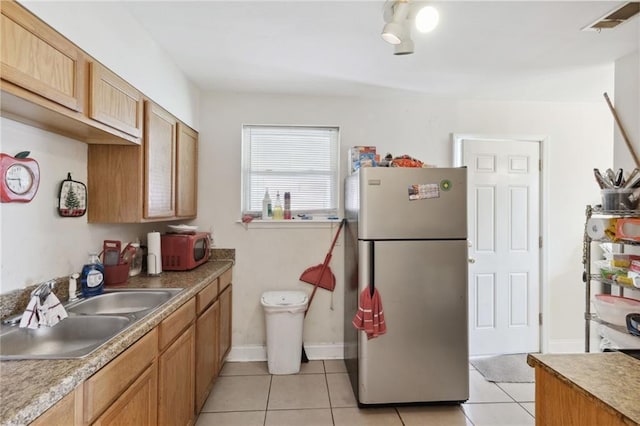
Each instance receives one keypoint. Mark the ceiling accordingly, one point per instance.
(480, 50)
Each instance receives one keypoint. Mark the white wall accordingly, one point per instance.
(37, 244)
(110, 35)
(579, 138)
(627, 104)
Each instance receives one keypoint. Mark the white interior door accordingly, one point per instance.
(504, 253)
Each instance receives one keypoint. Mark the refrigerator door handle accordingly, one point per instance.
(372, 268)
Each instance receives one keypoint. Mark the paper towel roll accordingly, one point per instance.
(596, 228)
(154, 254)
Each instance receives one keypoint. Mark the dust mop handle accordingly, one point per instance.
(327, 259)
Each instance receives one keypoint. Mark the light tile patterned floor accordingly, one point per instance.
(246, 394)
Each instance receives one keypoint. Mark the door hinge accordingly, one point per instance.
(540, 318)
(539, 242)
(540, 165)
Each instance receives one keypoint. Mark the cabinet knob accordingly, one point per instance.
(472, 260)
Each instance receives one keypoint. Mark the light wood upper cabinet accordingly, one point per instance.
(160, 159)
(38, 59)
(114, 102)
(187, 172)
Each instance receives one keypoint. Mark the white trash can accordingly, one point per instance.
(284, 315)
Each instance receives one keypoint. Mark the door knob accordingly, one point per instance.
(472, 260)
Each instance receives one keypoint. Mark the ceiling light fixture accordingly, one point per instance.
(394, 27)
(427, 19)
(399, 18)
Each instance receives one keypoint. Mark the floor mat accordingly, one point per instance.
(504, 368)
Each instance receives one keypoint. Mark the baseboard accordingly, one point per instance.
(566, 346)
(259, 352)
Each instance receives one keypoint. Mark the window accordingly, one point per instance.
(296, 159)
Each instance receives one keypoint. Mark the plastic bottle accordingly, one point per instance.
(92, 277)
(266, 206)
(287, 205)
(135, 267)
(277, 208)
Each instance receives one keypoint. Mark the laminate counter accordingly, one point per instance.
(29, 387)
(587, 389)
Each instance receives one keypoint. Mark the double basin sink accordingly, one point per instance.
(91, 323)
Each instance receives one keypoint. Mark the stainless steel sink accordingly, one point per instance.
(73, 337)
(122, 302)
(92, 322)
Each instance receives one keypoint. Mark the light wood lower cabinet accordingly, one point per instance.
(176, 384)
(225, 324)
(104, 387)
(66, 412)
(137, 405)
(207, 366)
(162, 379)
(558, 403)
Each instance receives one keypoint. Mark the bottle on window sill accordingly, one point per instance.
(277, 208)
(266, 206)
(287, 205)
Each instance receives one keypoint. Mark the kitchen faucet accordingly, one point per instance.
(44, 290)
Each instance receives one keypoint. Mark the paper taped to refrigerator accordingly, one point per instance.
(424, 191)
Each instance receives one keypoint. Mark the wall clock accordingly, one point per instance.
(20, 178)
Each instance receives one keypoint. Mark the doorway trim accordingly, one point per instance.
(457, 140)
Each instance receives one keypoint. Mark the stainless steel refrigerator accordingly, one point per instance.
(406, 235)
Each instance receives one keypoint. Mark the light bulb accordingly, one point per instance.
(427, 19)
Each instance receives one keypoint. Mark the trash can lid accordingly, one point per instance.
(284, 298)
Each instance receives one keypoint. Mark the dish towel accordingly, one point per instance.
(45, 314)
(370, 315)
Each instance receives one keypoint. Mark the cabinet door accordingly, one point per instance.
(66, 412)
(38, 59)
(206, 352)
(187, 172)
(160, 155)
(176, 384)
(137, 405)
(109, 383)
(114, 102)
(225, 324)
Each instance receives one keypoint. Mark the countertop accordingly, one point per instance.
(610, 379)
(28, 388)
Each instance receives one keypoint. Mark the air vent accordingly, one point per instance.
(615, 17)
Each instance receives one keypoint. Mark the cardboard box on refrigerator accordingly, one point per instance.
(362, 156)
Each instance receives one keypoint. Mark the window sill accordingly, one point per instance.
(290, 223)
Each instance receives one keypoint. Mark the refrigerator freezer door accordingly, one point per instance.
(411, 203)
(423, 357)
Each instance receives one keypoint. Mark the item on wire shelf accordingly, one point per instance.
(601, 228)
(614, 309)
(628, 229)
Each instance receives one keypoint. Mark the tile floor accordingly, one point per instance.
(246, 394)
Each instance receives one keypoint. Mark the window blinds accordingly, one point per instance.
(300, 160)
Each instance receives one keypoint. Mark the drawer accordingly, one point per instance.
(101, 389)
(206, 296)
(225, 280)
(173, 325)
